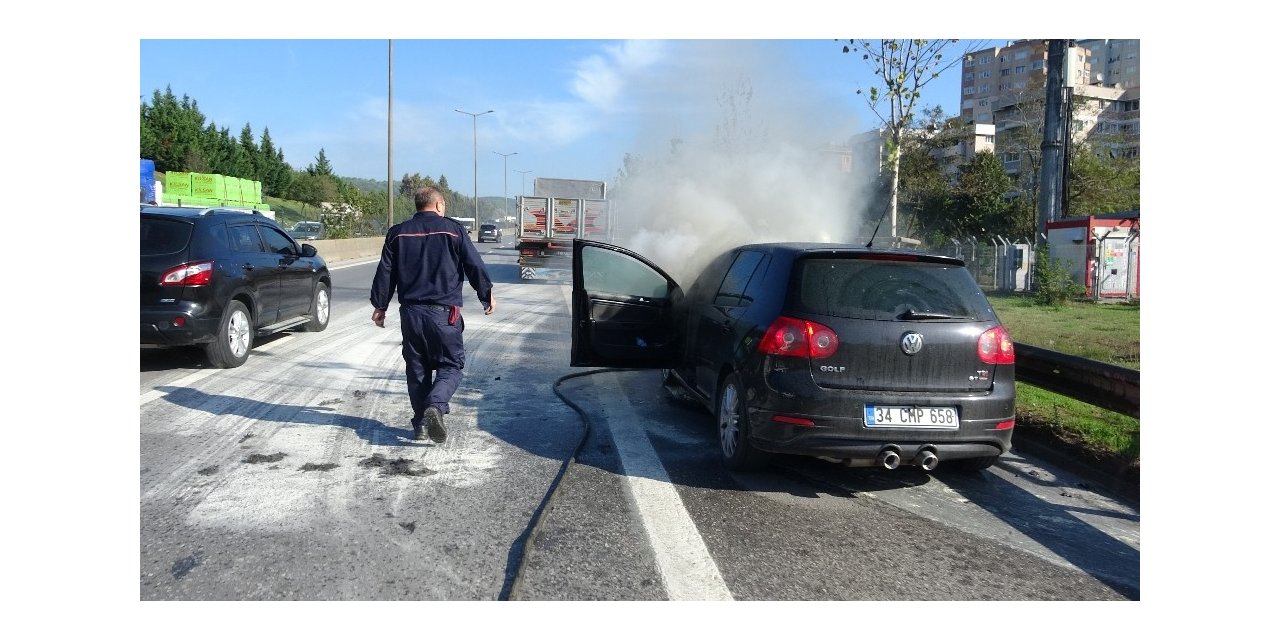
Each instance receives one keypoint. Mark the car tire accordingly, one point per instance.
(973, 465)
(234, 338)
(733, 427)
(320, 308)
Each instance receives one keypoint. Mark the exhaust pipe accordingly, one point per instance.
(888, 459)
(927, 460)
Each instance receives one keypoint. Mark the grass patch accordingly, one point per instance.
(1104, 332)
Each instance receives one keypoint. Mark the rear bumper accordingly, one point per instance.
(159, 325)
(839, 429)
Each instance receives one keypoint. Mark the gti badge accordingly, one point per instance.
(912, 342)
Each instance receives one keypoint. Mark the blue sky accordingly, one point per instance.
(565, 107)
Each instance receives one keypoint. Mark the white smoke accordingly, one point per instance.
(739, 153)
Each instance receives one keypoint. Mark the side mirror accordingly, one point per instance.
(308, 251)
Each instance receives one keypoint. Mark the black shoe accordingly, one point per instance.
(435, 425)
(419, 433)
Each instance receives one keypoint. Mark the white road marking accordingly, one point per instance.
(187, 380)
(688, 570)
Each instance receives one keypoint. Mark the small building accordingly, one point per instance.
(1101, 252)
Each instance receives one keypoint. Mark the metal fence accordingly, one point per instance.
(1002, 264)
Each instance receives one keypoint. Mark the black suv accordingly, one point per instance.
(489, 232)
(873, 357)
(221, 277)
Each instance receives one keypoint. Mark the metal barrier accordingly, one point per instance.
(1097, 383)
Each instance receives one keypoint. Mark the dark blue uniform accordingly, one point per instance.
(424, 260)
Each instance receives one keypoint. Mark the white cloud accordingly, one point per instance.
(601, 79)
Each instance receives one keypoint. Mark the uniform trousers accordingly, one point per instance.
(431, 346)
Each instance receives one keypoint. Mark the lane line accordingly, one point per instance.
(688, 570)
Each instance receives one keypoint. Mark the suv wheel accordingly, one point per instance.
(319, 308)
(733, 425)
(230, 347)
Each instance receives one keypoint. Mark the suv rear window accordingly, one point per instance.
(871, 289)
(487, 227)
(162, 236)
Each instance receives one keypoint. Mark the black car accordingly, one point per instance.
(221, 277)
(489, 232)
(866, 356)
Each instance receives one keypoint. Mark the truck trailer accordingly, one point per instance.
(559, 211)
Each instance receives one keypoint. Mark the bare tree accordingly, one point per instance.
(904, 67)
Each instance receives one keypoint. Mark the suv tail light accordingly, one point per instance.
(793, 337)
(995, 346)
(188, 275)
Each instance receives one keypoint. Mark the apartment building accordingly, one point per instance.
(1005, 86)
(1114, 63)
(994, 77)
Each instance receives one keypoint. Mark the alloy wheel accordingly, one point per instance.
(729, 420)
(322, 305)
(238, 333)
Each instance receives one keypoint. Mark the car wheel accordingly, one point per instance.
(733, 425)
(230, 347)
(319, 308)
(973, 465)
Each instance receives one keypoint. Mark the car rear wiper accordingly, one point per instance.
(912, 314)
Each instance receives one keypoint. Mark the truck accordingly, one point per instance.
(559, 211)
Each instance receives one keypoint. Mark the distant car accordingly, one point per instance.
(307, 230)
(219, 278)
(872, 357)
(489, 232)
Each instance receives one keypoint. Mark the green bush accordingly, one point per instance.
(1053, 283)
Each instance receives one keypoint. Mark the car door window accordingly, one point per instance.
(606, 271)
(244, 239)
(278, 242)
(735, 281)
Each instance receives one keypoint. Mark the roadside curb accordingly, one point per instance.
(1115, 475)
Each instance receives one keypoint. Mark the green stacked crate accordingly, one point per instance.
(177, 184)
(231, 196)
(204, 186)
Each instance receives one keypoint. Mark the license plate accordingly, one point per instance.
(912, 417)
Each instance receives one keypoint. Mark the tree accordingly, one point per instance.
(411, 183)
(904, 67)
(1098, 182)
(979, 206)
(313, 189)
(321, 166)
(171, 131)
(276, 174)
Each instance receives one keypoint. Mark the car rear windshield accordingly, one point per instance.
(877, 289)
(487, 227)
(162, 236)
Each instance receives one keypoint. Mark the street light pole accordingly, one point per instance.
(505, 211)
(522, 174)
(475, 165)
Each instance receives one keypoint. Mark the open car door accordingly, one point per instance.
(624, 309)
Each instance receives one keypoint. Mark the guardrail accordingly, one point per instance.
(1097, 383)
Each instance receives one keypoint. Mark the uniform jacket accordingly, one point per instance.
(424, 260)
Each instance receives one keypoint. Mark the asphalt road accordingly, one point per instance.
(294, 477)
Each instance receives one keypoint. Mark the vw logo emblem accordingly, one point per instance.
(912, 343)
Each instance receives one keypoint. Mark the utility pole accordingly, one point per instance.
(390, 187)
(1053, 165)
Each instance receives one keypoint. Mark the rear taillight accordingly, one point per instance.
(995, 346)
(793, 337)
(188, 275)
